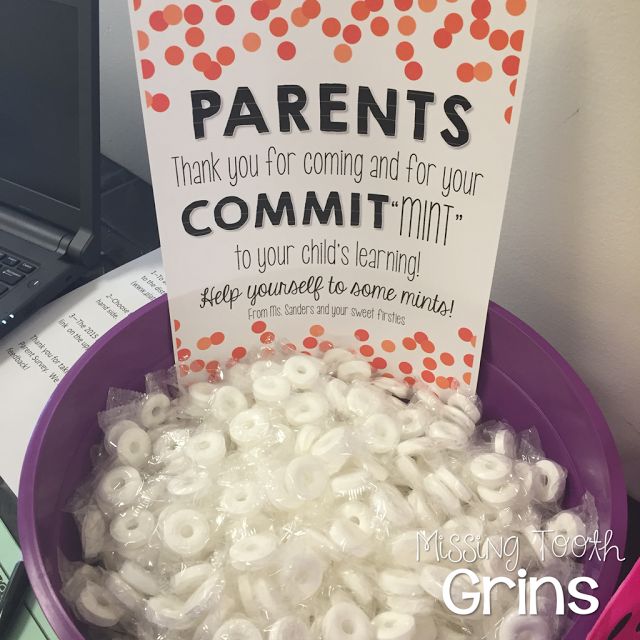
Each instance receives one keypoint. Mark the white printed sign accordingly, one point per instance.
(332, 172)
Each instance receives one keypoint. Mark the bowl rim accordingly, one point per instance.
(57, 614)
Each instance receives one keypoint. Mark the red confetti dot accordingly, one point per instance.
(197, 365)
(225, 56)
(360, 10)
(273, 4)
(428, 377)
(286, 50)
(404, 51)
(148, 68)
(366, 350)
(379, 363)
(453, 23)
(511, 65)
(430, 363)
(260, 10)
(225, 14)
(481, 8)
(160, 103)
(238, 353)
(176, 325)
(213, 71)
(403, 5)
(184, 354)
(201, 61)
(479, 29)
(410, 381)
(409, 344)
(498, 39)
(468, 359)
(325, 345)
(420, 336)
(259, 326)
(413, 70)
(352, 33)
(512, 87)
(311, 8)
(447, 359)
(466, 72)
(157, 21)
(508, 114)
(217, 338)
(374, 5)
(379, 26)
(310, 342)
(178, 343)
(268, 337)
(331, 27)
(278, 27)
(428, 346)
(361, 334)
(174, 55)
(193, 14)
(517, 39)
(194, 36)
(213, 366)
(465, 334)
(405, 367)
(442, 38)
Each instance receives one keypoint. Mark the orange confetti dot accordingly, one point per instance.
(225, 56)
(325, 345)
(184, 370)
(447, 359)
(172, 14)
(404, 51)
(311, 8)
(143, 40)
(259, 326)
(388, 346)
(342, 53)
(468, 359)
(481, 8)
(467, 377)
(174, 55)
(430, 363)
(517, 39)
(238, 353)
(442, 38)
(194, 36)
(160, 102)
(499, 39)
(217, 338)
(260, 10)
(466, 72)
(511, 65)
(184, 354)
(317, 330)
(413, 70)
(204, 343)
(405, 367)
(225, 14)
(379, 363)
(428, 377)
(331, 27)
(197, 365)
(508, 114)
(352, 33)
(428, 346)
(178, 343)
(278, 27)
(483, 71)
(406, 25)
(442, 382)
(273, 4)
(366, 350)
(465, 334)
(453, 23)
(427, 5)
(310, 342)
(148, 68)
(379, 26)
(516, 7)
(299, 18)
(268, 337)
(286, 50)
(409, 344)
(479, 29)
(361, 334)
(251, 42)
(360, 10)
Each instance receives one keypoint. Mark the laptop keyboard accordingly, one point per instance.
(13, 270)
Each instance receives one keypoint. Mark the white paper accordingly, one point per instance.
(35, 357)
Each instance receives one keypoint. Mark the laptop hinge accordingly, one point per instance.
(38, 232)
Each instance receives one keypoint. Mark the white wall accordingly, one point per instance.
(569, 261)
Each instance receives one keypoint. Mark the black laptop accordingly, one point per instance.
(49, 151)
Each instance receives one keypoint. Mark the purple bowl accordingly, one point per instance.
(523, 380)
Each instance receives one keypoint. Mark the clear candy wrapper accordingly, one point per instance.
(297, 497)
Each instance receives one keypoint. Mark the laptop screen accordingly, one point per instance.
(41, 93)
